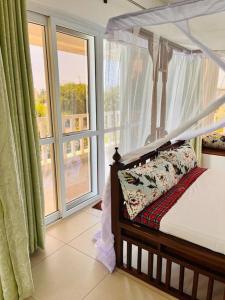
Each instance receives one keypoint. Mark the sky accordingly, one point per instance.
(72, 67)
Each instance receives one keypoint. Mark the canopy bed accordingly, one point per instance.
(185, 43)
(172, 242)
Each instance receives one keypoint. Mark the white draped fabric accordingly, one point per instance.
(191, 85)
(128, 97)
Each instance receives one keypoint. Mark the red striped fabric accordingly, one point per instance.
(153, 214)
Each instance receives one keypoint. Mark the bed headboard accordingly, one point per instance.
(144, 158)
(116, 191)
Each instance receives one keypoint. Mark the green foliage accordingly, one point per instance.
(41, 109)
(73, 98)
(41, 104)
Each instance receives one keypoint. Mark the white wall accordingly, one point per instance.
(214, 162)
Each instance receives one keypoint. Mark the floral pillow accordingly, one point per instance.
(214, 140)
(143, 185)
(183, 159)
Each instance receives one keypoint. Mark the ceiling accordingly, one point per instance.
(96, 10)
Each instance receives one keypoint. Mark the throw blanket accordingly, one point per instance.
(153, 214)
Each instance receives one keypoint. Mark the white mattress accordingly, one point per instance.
(199, 215)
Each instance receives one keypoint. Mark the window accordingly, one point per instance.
(38, 51)
(65, 103)
(77, 172)
(73, 76)
(48, 173)
(73, 62)
(38, 60)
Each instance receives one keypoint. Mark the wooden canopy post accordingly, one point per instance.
(115, 207)
(165, 57)
(154, 46)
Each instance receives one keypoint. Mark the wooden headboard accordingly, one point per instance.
(116, 191)
(146, 157)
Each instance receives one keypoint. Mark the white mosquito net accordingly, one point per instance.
(170, 75)
(186, 45)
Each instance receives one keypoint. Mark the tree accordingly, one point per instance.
(73, 98)
(41, 104)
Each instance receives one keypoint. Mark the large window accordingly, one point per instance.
(63, 66)
(38, 51)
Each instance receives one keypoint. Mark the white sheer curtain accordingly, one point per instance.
(192, 84)
(183, 91)
(128, 74)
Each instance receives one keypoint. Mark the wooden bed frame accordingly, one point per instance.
(160, 246)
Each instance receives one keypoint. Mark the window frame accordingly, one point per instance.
(95, 93)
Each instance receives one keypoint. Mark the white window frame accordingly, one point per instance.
(96, 109)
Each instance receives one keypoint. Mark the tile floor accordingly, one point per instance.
(67, 269)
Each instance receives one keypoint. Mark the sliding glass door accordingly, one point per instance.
(63, 64)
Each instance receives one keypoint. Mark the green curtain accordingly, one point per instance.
(15, 271)
(17, 67)
(21, 192)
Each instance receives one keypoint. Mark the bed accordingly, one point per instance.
(181, 239)
(213, 144)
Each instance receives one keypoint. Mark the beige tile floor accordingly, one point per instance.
(67, 269)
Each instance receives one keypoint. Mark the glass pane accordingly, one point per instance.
(48, 173)
(112, 86)
(73, 77)
(37, 52)
(77, 168)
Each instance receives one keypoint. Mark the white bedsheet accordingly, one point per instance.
(199, 215)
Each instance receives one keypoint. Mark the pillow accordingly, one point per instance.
(214, 140)
(182, 158)
(143, 185)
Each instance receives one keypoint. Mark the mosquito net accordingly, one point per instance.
(186, 44)
(180, 49)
